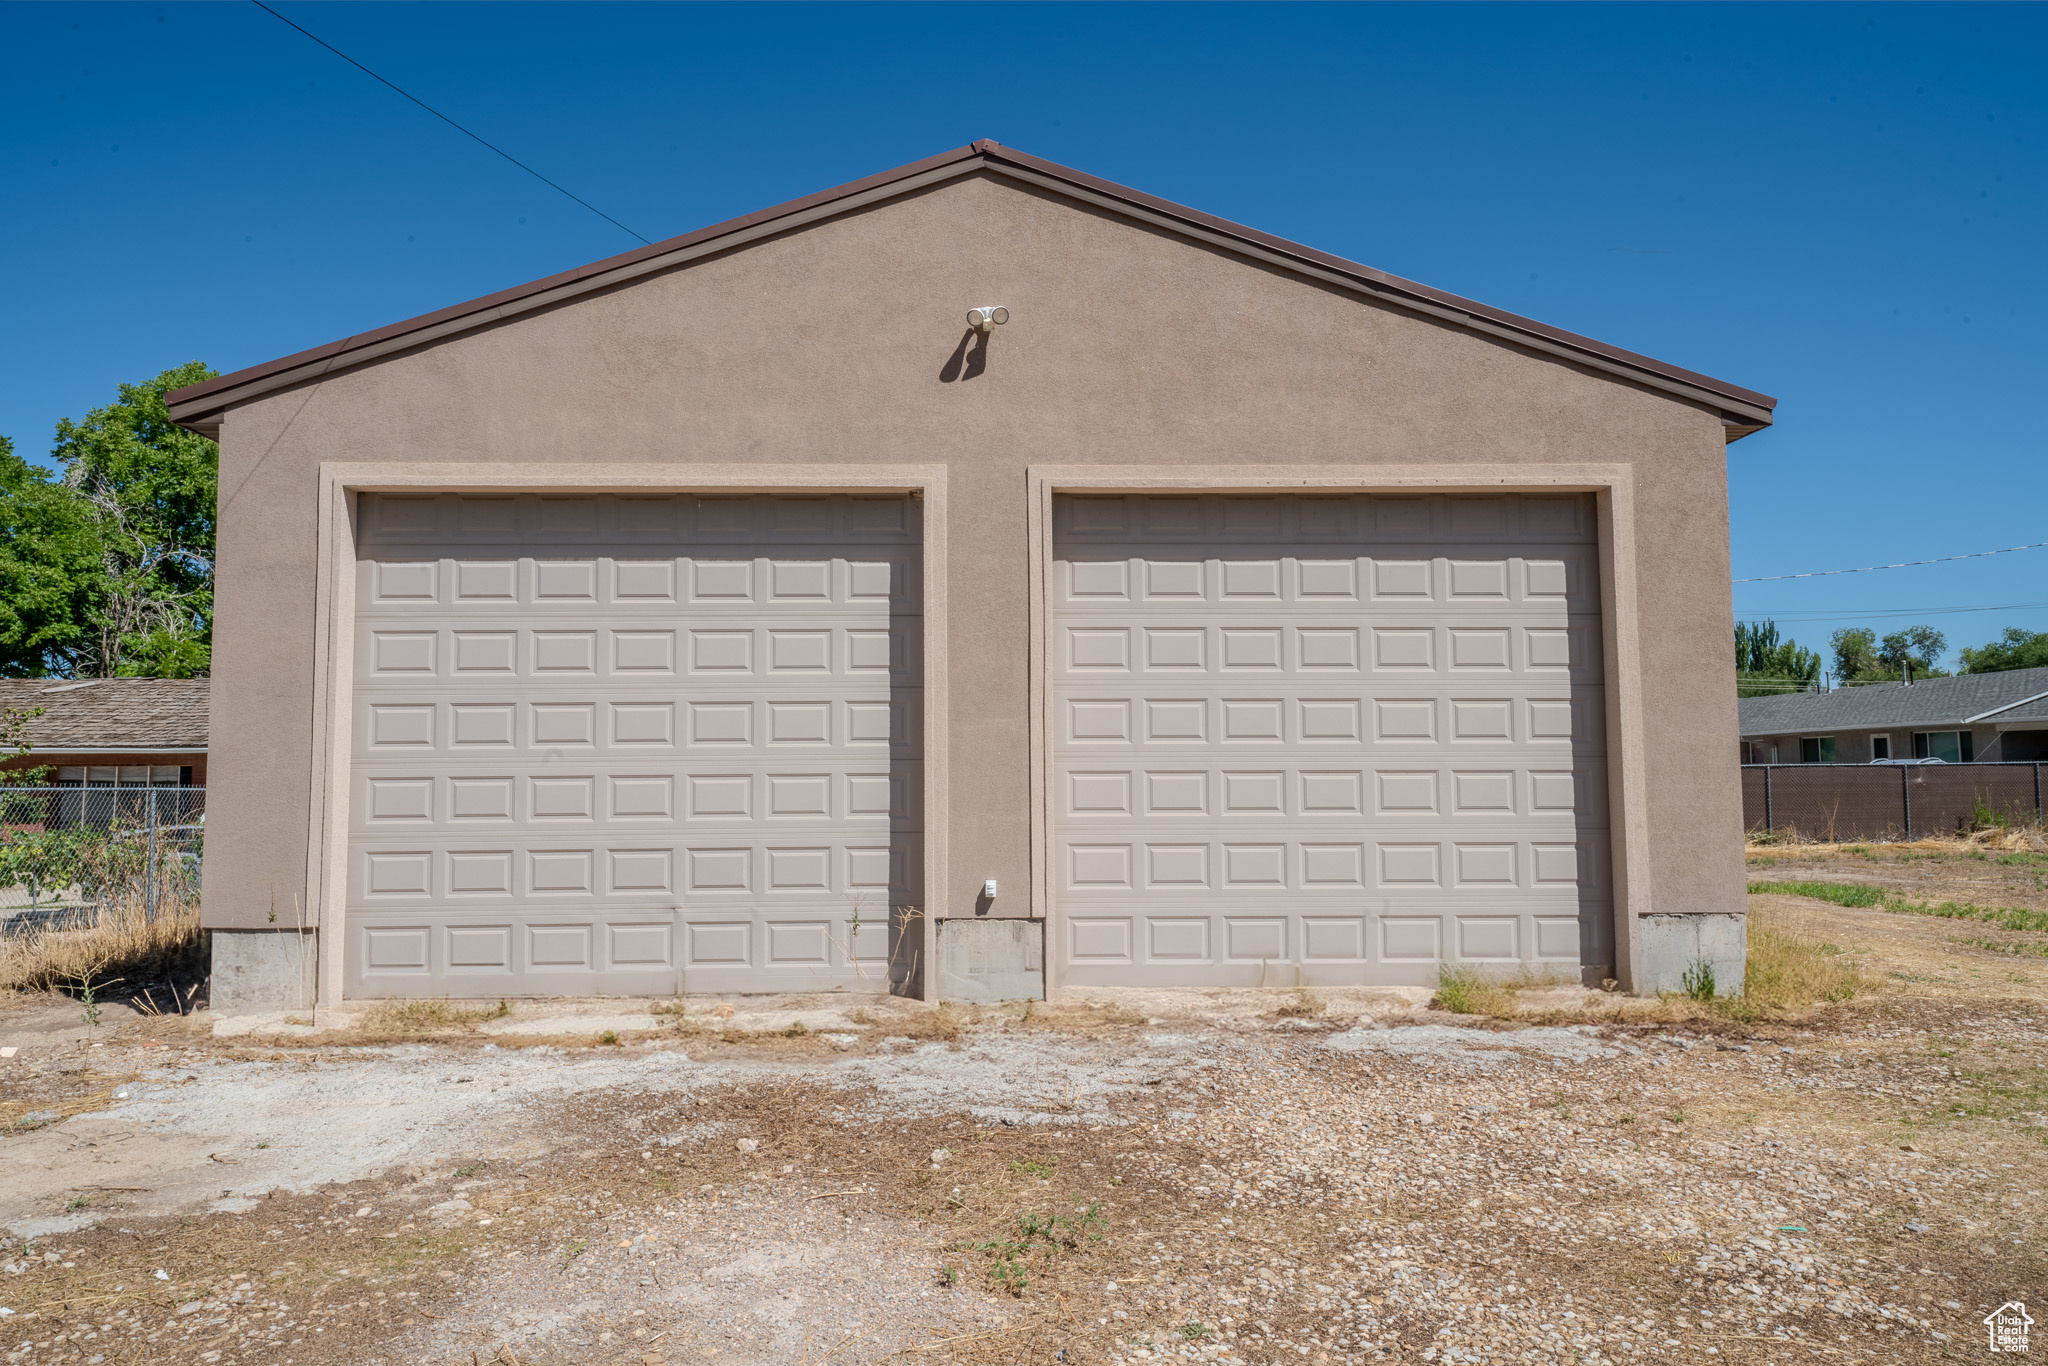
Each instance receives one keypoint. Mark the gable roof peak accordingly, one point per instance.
(199, 407)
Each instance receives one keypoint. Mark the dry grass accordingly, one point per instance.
(125, 949)
(394, 1020)
(1302, 1005)
(2030, 836)
(1078, 1017)
(21, 1116)
(1790, 973)
(941, 1024)
(1465, 990)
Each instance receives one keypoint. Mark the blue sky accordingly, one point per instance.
(1843, 205)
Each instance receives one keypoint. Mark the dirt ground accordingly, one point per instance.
(1224, 1177)
(1927, 871)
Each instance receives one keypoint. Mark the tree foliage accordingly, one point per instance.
(107, 568)
(1765, 664)
(1862, 657)
(152, 488)
(2016, 649)
(51, 574)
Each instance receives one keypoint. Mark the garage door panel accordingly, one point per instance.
(616, 728)
(453, 797)
(1326, 945)
(1401, 589)
(713, 586)
(1263, 737)
(530, 658)
(1292, 788)
(827, 861)
(843, 722)
(1081, 519)
(1197, 863)
(486, 954)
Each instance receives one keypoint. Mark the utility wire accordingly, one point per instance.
(452, 123)
(1904, 564)
(1809, 614)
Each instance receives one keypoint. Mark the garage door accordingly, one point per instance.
(1326, 739)
(632, 745)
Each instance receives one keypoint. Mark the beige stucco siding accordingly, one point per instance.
(837, 344)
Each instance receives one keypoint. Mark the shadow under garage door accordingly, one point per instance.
(1327, 740)
(632, 745)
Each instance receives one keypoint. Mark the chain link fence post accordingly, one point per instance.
(149, 872)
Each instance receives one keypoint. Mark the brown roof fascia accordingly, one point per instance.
(198, 406)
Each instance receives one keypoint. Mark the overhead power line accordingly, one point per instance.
(452, 123)
(1808, 614)
(1903, 564)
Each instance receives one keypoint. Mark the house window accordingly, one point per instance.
(1950, 746)
(1880, 747)
(125, 775)
(1817, 749)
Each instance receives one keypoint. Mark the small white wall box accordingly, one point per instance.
(988, 889)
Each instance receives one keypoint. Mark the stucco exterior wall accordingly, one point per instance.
(842, 344)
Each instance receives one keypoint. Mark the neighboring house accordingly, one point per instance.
(112, 732)
(1974, 718)
(738, 614)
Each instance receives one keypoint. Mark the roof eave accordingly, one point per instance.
(199, 407)
(57, 750)
(1836, 728)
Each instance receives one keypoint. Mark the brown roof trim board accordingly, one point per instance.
(199, 406)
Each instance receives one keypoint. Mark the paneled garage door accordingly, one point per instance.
(1327, 739)
(632, 744)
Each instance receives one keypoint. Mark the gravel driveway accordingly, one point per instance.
(1227, 1177)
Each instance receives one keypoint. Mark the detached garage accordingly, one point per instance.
(976, 580)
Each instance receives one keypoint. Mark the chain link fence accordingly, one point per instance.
(1832, 802)
(71, 853)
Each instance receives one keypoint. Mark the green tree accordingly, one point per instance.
(1765, 664)
(1861, 657)
(2016, 649)
(1917, 646)
(52, 573)
(151, 489)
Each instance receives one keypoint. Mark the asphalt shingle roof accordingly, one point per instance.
(1876, 706)
(111, 713)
